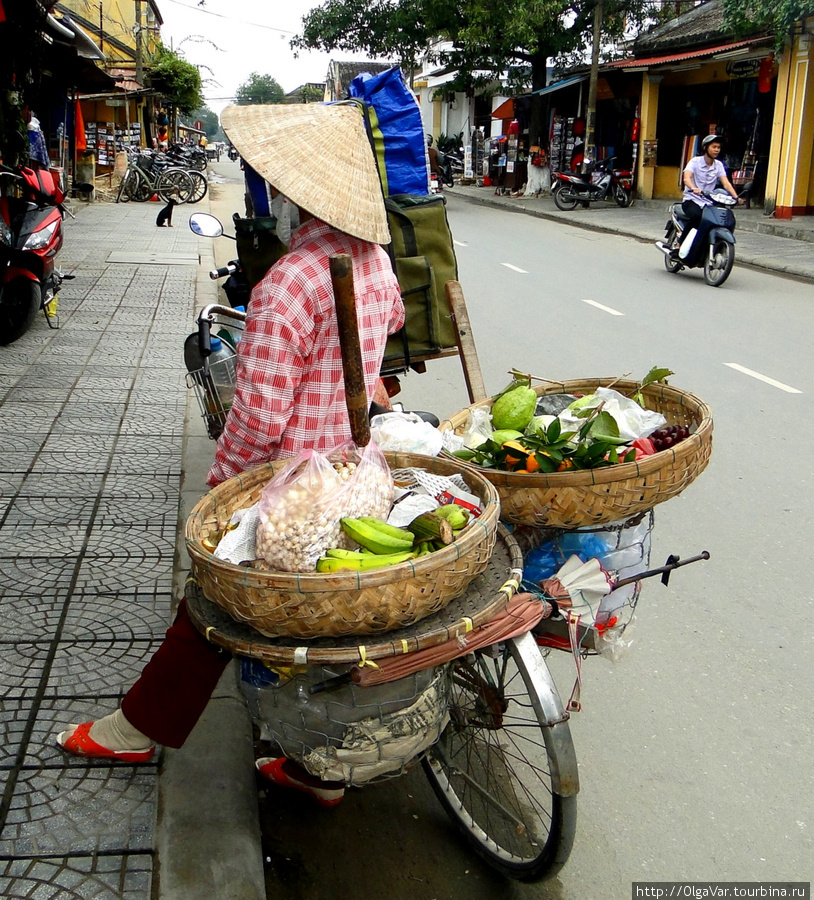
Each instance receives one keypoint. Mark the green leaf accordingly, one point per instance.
(554, 431)
(656, 374)
(546, 464)
(465, 453)
(630, 456)
(605, 428)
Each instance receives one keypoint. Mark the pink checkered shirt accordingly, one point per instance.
(291, 392)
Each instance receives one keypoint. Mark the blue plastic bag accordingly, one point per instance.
(398, 118)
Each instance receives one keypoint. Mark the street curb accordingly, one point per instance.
(759, 261)
(208, 840)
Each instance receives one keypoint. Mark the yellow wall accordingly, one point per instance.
(645, 177)
(666, 182)
(790, 176)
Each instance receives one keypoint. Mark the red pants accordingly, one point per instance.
(176, 684)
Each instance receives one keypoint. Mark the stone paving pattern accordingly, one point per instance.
(91, 438)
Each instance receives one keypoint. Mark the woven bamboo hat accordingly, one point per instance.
(319, 157)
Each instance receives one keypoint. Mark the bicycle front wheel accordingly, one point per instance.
(174, 184)
(505, 768)
(199, 186)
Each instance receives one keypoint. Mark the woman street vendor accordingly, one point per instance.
(290, 391)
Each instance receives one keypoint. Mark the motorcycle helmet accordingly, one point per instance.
(711, 139)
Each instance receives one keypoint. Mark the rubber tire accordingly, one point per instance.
(19, 302)
(672, 265)
(175, 184)
(564, 199)
(561, 826)
(622, 197)
(199, 186)
(720, 275)
(139, 189)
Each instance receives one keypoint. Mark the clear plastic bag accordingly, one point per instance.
(478, 428)
(301, 507)
(405, 433)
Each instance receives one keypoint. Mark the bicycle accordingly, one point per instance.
(148, 174)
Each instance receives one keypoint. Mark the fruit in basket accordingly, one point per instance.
(505, 434)
(360, 562)
(377, 535)
(456, 515)
(668, 436)
(514, 409)
(430, 526)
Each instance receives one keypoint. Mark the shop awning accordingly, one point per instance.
(505, 110)
(720, 50)
(558, 85)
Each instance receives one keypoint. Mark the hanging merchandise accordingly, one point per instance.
(81, 142)
(394, 122)
(764, 78)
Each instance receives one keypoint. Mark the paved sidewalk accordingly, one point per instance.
(777, 245)
(98, 449)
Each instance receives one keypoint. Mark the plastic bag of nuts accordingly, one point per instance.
(301, 507)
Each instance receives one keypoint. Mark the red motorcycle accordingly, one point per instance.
(31, 214)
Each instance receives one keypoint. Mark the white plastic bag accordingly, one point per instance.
(405, 433)
(634, 422)
(478, 427)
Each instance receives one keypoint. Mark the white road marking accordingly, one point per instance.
(607, 309)
(514, 268)
(460, 243)
(771, 381)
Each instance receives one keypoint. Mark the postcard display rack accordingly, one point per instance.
(105, 138)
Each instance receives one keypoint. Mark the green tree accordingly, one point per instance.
(778, 17)
(488, 38)
(211, 123)
(260, 89)
(176, 79)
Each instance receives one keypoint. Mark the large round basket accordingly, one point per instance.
(613, 493)
(316, 605)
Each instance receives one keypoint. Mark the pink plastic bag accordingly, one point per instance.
(301, 507)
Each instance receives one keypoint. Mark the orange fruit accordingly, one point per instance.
(531, 464)
(518, 448)
(565, 464)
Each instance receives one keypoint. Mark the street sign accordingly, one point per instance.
(199, 125)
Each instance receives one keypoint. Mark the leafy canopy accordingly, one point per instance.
(487, 37)
(775, 16)
(176, 79)
(259, 89)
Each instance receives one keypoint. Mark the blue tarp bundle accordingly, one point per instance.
(398, 118)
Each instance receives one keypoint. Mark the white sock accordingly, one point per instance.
(114, 732)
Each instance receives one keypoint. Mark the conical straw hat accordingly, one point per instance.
(319, 157)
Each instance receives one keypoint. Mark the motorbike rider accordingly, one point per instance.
(435, 161)
(701, 175)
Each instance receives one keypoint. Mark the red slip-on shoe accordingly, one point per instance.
(286, 773)
(80, 743)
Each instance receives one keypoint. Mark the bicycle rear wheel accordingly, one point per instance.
(506, 777)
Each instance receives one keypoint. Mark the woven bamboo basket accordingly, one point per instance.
(588, 497)
(316, 605)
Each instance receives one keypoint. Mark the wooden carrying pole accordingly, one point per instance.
(341, 266)
(466, 343)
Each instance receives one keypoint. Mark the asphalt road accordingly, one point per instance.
(695, 749)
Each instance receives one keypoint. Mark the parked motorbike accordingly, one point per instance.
(599, 182)
(710, 245)
(31, 214)
(188, 157)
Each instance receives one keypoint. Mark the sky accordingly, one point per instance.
(234, 38)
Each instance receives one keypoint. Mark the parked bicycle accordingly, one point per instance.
(151, 173)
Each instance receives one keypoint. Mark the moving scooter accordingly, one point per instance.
(710, 245)
(600, 182)
(31, 214)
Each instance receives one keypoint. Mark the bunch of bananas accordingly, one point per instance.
(387, 545)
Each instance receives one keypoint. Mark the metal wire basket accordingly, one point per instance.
(210, 384)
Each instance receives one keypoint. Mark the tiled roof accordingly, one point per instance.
(703, 24)
(677, 57)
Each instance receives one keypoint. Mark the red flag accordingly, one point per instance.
(79, 126)
(2, 12)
